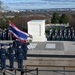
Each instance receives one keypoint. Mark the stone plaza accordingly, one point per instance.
(48, 57)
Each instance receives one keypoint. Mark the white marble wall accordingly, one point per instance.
(37, 29)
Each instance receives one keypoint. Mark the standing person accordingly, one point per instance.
(7, 38)
(20, 55)
(15, 45)
(3, 57)
(0, 34)
(11, 55)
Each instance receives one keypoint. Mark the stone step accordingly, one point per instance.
(50, 62)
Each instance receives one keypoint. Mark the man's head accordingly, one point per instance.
(2, 45)
(19, 45)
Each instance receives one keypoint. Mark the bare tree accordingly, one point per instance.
(0, 5)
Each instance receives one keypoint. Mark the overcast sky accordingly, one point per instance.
(38, 4)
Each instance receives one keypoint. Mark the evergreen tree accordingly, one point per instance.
(47, 21)
(64, 18)
(4, 24)
(55, 18)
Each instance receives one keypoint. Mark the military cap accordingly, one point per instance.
(2, 45)
(10, 44)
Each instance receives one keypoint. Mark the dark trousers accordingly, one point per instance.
(3, 63)
(25, 54)
(11, 62)
(20, 63)
(15, 54)
(24, 46)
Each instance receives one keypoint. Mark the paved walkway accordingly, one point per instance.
(61, 48)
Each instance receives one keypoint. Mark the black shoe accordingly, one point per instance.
(12, 69)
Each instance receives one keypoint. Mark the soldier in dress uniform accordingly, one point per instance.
(56, 34)
(65, 34)
(20, 55)
(60, 34)
(73, 35)
(5, 35)
(2, 37)
(50, 35)
(16, 42)
(3, 57)
(7, 38)
(69, 34)
(0, 34)
(53, 37)
(11, 52)
(15, 45)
